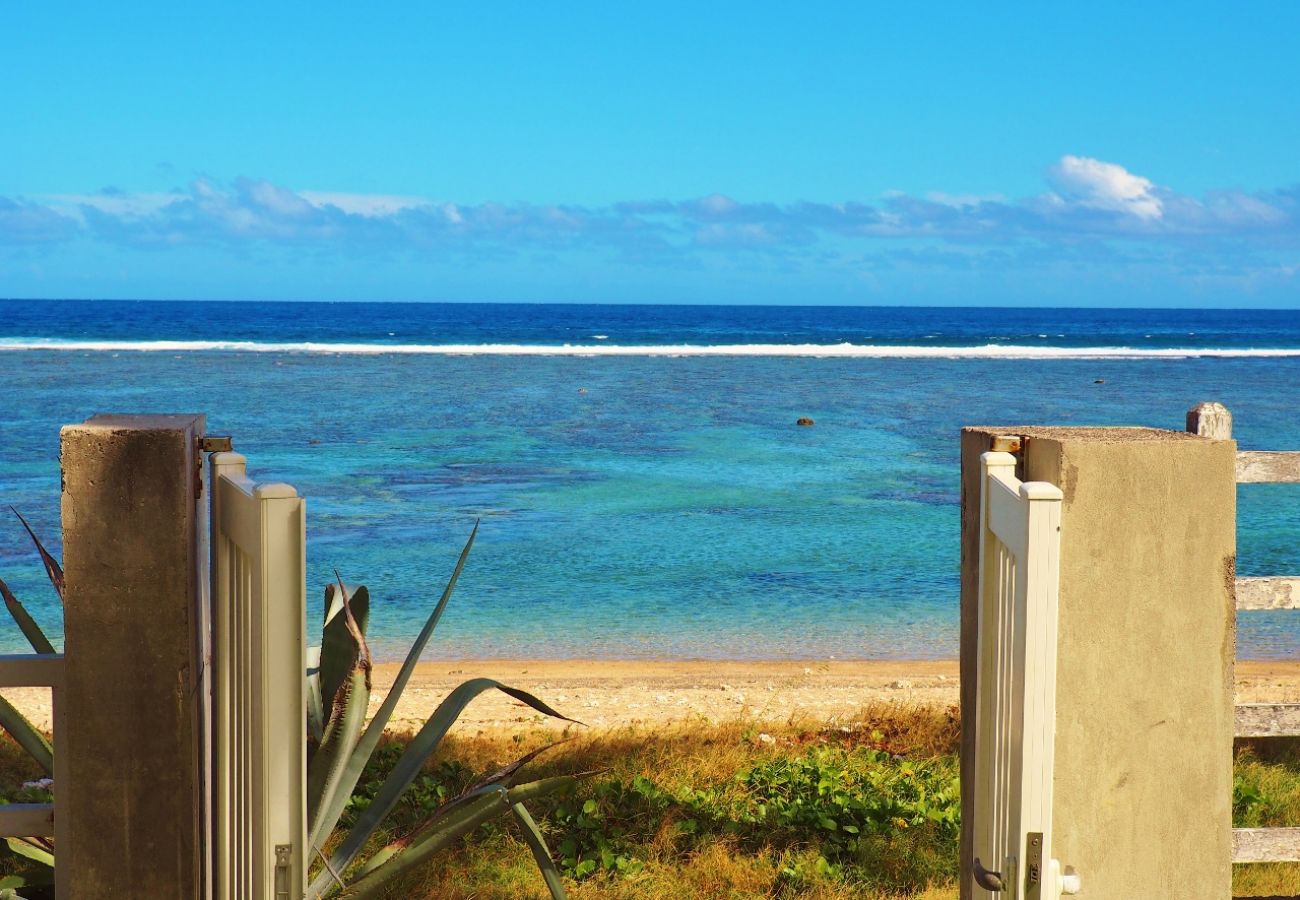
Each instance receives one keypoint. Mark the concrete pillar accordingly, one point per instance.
(131, 806)
(1143, 785)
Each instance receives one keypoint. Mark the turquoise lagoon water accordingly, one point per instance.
(639, 505)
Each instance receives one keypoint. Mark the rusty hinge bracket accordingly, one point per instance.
(208, 444)
(1008, 443)
(216, 444)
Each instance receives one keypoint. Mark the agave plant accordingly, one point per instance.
(338, 749)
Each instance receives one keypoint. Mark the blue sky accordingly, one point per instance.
(727, 152)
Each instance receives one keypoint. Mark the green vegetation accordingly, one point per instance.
(743, 810)
(715, 810)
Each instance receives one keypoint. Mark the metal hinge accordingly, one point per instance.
(1008, 443)
(283, 866)
(208, 444)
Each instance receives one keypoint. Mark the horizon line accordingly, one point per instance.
(626, 303)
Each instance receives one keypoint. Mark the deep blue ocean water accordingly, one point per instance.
(633, 504)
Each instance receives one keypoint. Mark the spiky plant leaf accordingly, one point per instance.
(505, 774)
(339, 649)
(27, 736)
(25, 848)
(26, 624)
(324, 776)
(408, 766)
(501, 777)
(315, 707)
(537, 844)
(418, 847)
(403, 856)
(374, 731)
(52, 567)
(377, 725)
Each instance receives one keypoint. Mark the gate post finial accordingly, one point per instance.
(1211, 420)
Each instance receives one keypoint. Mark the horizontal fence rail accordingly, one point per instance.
(1268, 719)
(1263, 845)
(1268, 593)
(1263, 467)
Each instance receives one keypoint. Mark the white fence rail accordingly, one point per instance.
(1016, 687)
(258, 595)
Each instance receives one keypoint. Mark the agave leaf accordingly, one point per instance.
(23, 847)
(333, 604)
(537, 844)
(357, 631)
(340, 737)
(315, 708)
(380, 721)
(25, 733)
(52, 567)
(503, 774)
(40, 643)
(339, 650)
(417, 752)
(544, 787)
(442, 812)
(406, 854)
(411, 851)
(375, 730)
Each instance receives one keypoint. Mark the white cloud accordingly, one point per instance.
(372, 206)
(116, 203)
(1103, 185)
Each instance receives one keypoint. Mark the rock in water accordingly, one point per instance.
(804, 420)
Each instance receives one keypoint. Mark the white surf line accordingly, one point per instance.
(843, 351)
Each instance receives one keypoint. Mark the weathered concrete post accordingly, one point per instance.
(1143, 779)
(131, 751)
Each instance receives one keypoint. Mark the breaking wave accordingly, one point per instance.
(844, 350)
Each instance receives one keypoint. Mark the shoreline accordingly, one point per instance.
(623, 693)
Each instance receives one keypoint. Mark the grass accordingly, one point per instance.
(864, 809)
(673, 812)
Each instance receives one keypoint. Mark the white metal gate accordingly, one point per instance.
(1015, 727)
(259, 603)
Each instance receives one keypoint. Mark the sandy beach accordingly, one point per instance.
(606, 694)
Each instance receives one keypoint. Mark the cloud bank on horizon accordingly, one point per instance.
(1094, 215)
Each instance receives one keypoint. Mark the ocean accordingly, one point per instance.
(643, 488)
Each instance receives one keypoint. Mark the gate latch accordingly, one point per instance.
(1034, 871)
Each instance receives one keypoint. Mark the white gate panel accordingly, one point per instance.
(1015, 720)
(259, 612)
